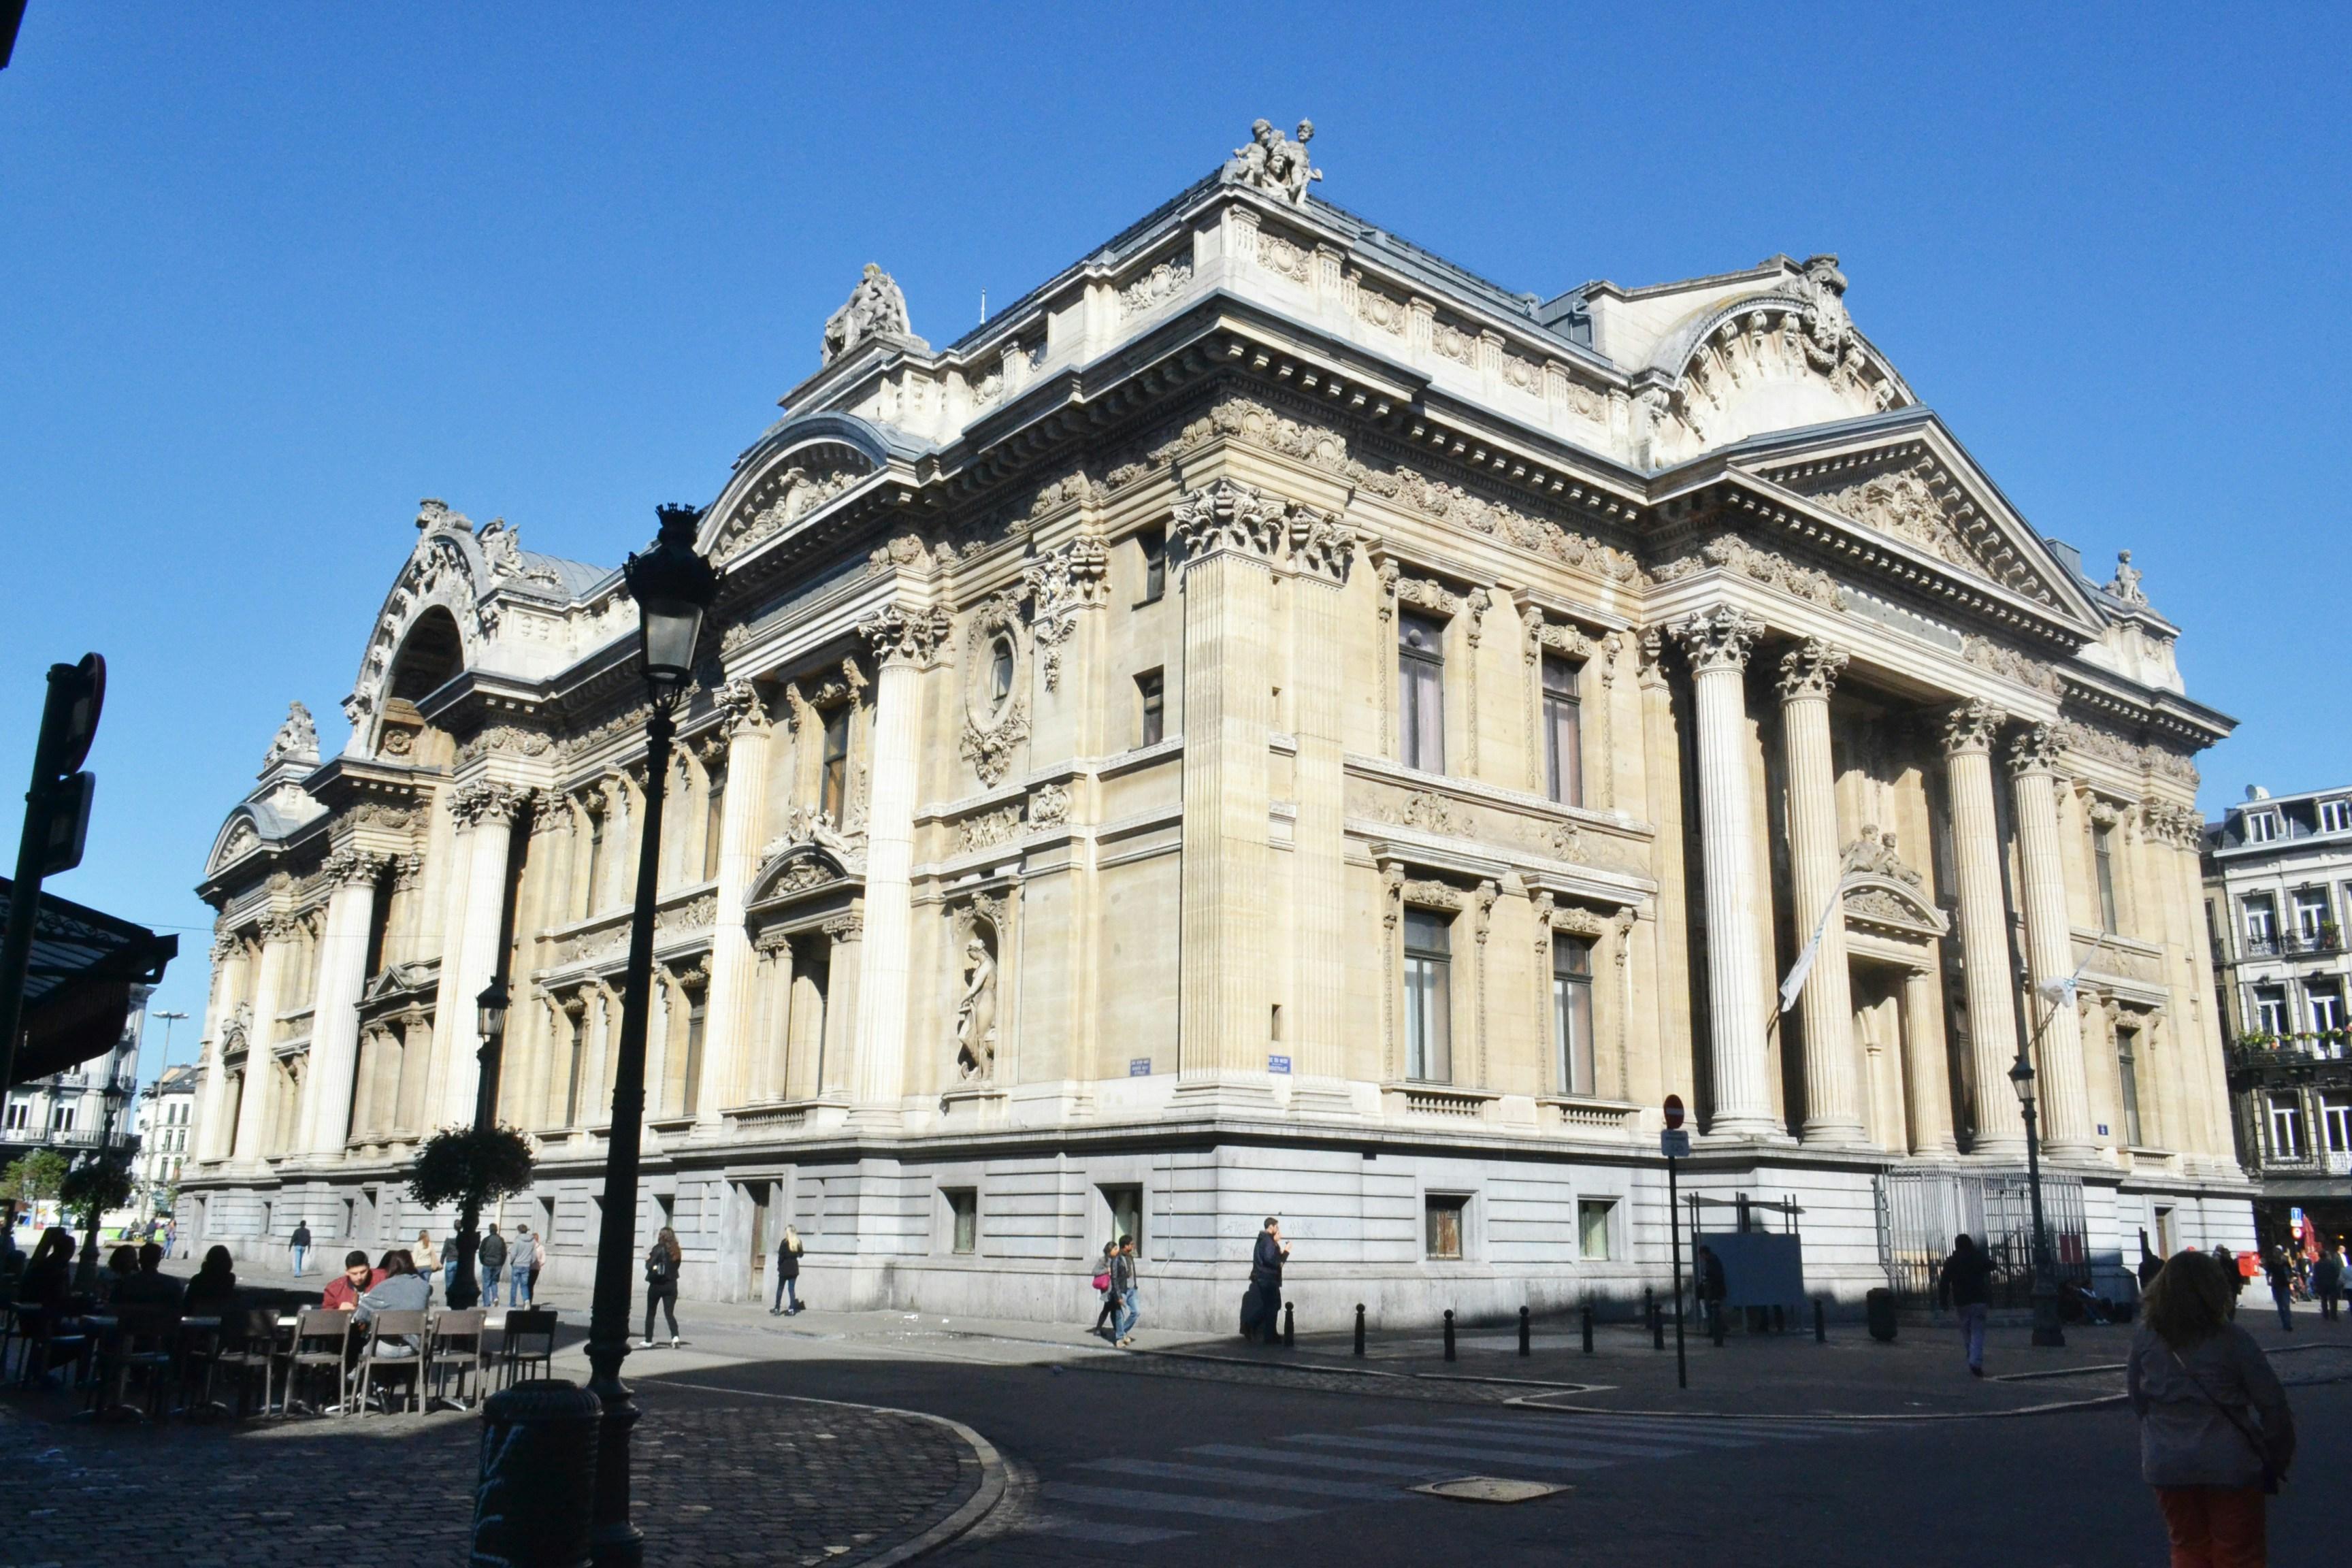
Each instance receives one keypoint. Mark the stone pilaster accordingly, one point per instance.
(1968, 734)
(1925, 1069)
(1227, 533)
(279, 934)
(2049, 943)
(231, 963)
(335, 1016)
(1322, 553)
(1718, 643)
(730, 1009)
(1832, 1105)
(484, 813)
(905, 643)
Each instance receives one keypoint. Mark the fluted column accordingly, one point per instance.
(2049, 943)
(1984, 929)
(335, 1006)
(1322, 551)
(732, 1008)
(279, 934)
(1226, 531)
(905, 643)
(484, 814)
(1833, 1101)
(230, 963)
(1718, 642)
(1925, 1071)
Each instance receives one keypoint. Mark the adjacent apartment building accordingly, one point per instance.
(165, 1121)
(89, 1106)
(2278, 897)
(1271, 722)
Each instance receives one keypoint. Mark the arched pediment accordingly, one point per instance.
(446, 573)
(790, 485)
(1892, 905)
(797, 869)
(239, 836)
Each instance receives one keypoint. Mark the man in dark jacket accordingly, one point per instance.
(1966, 1285)
(1266, 1282)
(302, 1244)
(492, 1255)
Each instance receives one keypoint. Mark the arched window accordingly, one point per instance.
(1000, 671)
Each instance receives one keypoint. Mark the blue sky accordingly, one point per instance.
(272, 274)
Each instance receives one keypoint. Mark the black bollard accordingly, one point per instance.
(1820, 1323)
(1527, 1346)
(1587, 1327)
(1359, 1328)
(1718, 1324)
(1657, 1327)
(539, 1465)
(1289, 1325)
(1449, 1333)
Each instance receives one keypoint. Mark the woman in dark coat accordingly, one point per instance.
(661, 1286)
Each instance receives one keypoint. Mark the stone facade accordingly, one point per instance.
(1271, 722)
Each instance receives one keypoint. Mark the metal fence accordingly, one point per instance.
(1919, 1213)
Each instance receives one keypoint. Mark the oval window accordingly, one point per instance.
(1000, 671)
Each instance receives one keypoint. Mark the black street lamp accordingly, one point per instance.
(2047, 1328)
(672, 587)
(490, 1024)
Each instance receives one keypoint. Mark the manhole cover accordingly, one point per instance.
(1491, 1489)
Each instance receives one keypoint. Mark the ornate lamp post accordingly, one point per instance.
(2047, 1328)
(490, 1024)
(672, 587)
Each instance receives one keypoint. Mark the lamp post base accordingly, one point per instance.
(2047, 1330)
(614, 1542)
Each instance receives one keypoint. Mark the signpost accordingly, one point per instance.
(1675, 1144)
(57, 821)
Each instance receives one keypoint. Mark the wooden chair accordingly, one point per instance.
(144, 1344)
(528, 1341)
(322, 1343)
(395, 1344)
(53, 1337)
(458, 1346)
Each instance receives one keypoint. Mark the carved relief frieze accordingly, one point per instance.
(1060, 585)
(992, 828)
(778, 502)
(1155, 288)
(1428, 811)
(2010, 665)
(1734, 554)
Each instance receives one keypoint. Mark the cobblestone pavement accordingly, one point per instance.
(719, 1477)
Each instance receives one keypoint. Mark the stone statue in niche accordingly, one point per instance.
(976, 1013)
(875, 306)
(1273, 163)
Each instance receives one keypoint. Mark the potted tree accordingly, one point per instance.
(469, 1166)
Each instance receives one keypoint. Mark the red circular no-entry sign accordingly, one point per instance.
(1674, 1111)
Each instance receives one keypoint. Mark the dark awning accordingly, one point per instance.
(78, 986)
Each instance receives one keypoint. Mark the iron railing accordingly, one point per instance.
(1920, 1212)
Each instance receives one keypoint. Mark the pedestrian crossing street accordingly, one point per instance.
(1119, 1503)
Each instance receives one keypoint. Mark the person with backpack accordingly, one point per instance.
(492, 1258)
(2215, 1432)
(662, 1260)
(788, 1274)
(1965, 1286)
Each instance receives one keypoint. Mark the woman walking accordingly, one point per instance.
(428, 1260)
(788, 1274)
(1102, 1287)
(661, 1287)
(2215, 1433)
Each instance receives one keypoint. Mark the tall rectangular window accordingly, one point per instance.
(1571, 1013)
(1593, 1222)
(714, 813)
(1428, 997)
(20, 1114)
(595, 863)
(2261, 826)
(2270, 1009)
(1442, 1226)
(2311, 921)
(2326, 1000)
(2335, 815)
(2261, 924)
(696, 1011)
(834, 796)
(1152, 700)
(2103, 854)
(1563, 731)
(2286, 1128)
(1421, 692)
(963, 1210)
(1154, 543)
(2336, 1122)
(2127, 1082)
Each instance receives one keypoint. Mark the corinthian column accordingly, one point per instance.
(727, 1028)
(1984, 929)
(1718, 642)
(905, 643)
(1227, 532)
(2050, 942)
(1833, 1103)
(229, 965)
(335, 1018)
(279, 934)
(484, 813)
(1322, 550)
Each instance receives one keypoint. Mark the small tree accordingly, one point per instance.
(98, 1181)
(33, 1178)
(469, 1166)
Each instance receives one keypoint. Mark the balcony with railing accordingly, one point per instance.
(2318, 944)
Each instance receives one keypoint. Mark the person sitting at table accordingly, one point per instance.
(400, 1289)
(213, 1293)
(149, 1286)
(50, 1275)
(122, 1267)
(344, 1291)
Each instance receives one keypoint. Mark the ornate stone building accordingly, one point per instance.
(1270, 723)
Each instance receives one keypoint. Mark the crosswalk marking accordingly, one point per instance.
(1457, 1451)
(1312, 1461)
(1716, 1429)
(1173, 1502)
(1680, 1439)
(1103, 1530)
(1475, 1433)
(1226, 1476)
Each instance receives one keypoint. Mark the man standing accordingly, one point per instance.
(526, 1248)
(1967, 1285)
(301, 1245)
(492, 1256)
(1122, 1286)
(1265, 1278)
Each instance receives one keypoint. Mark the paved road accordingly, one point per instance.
(1133, 1467)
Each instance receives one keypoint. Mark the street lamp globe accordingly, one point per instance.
(672, 587)
(2020, 1079)
(490, 1011)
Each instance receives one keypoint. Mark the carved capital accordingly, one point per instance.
(283, 926)
(2036, 750)
(485, 801)
(1321, 546)
(1720, 638)
(745, 708)
(898, 636)
(352, 867)
(1225, 515)
(1971, 726)
(1811, 671)
(407, 870)
(844, 928)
